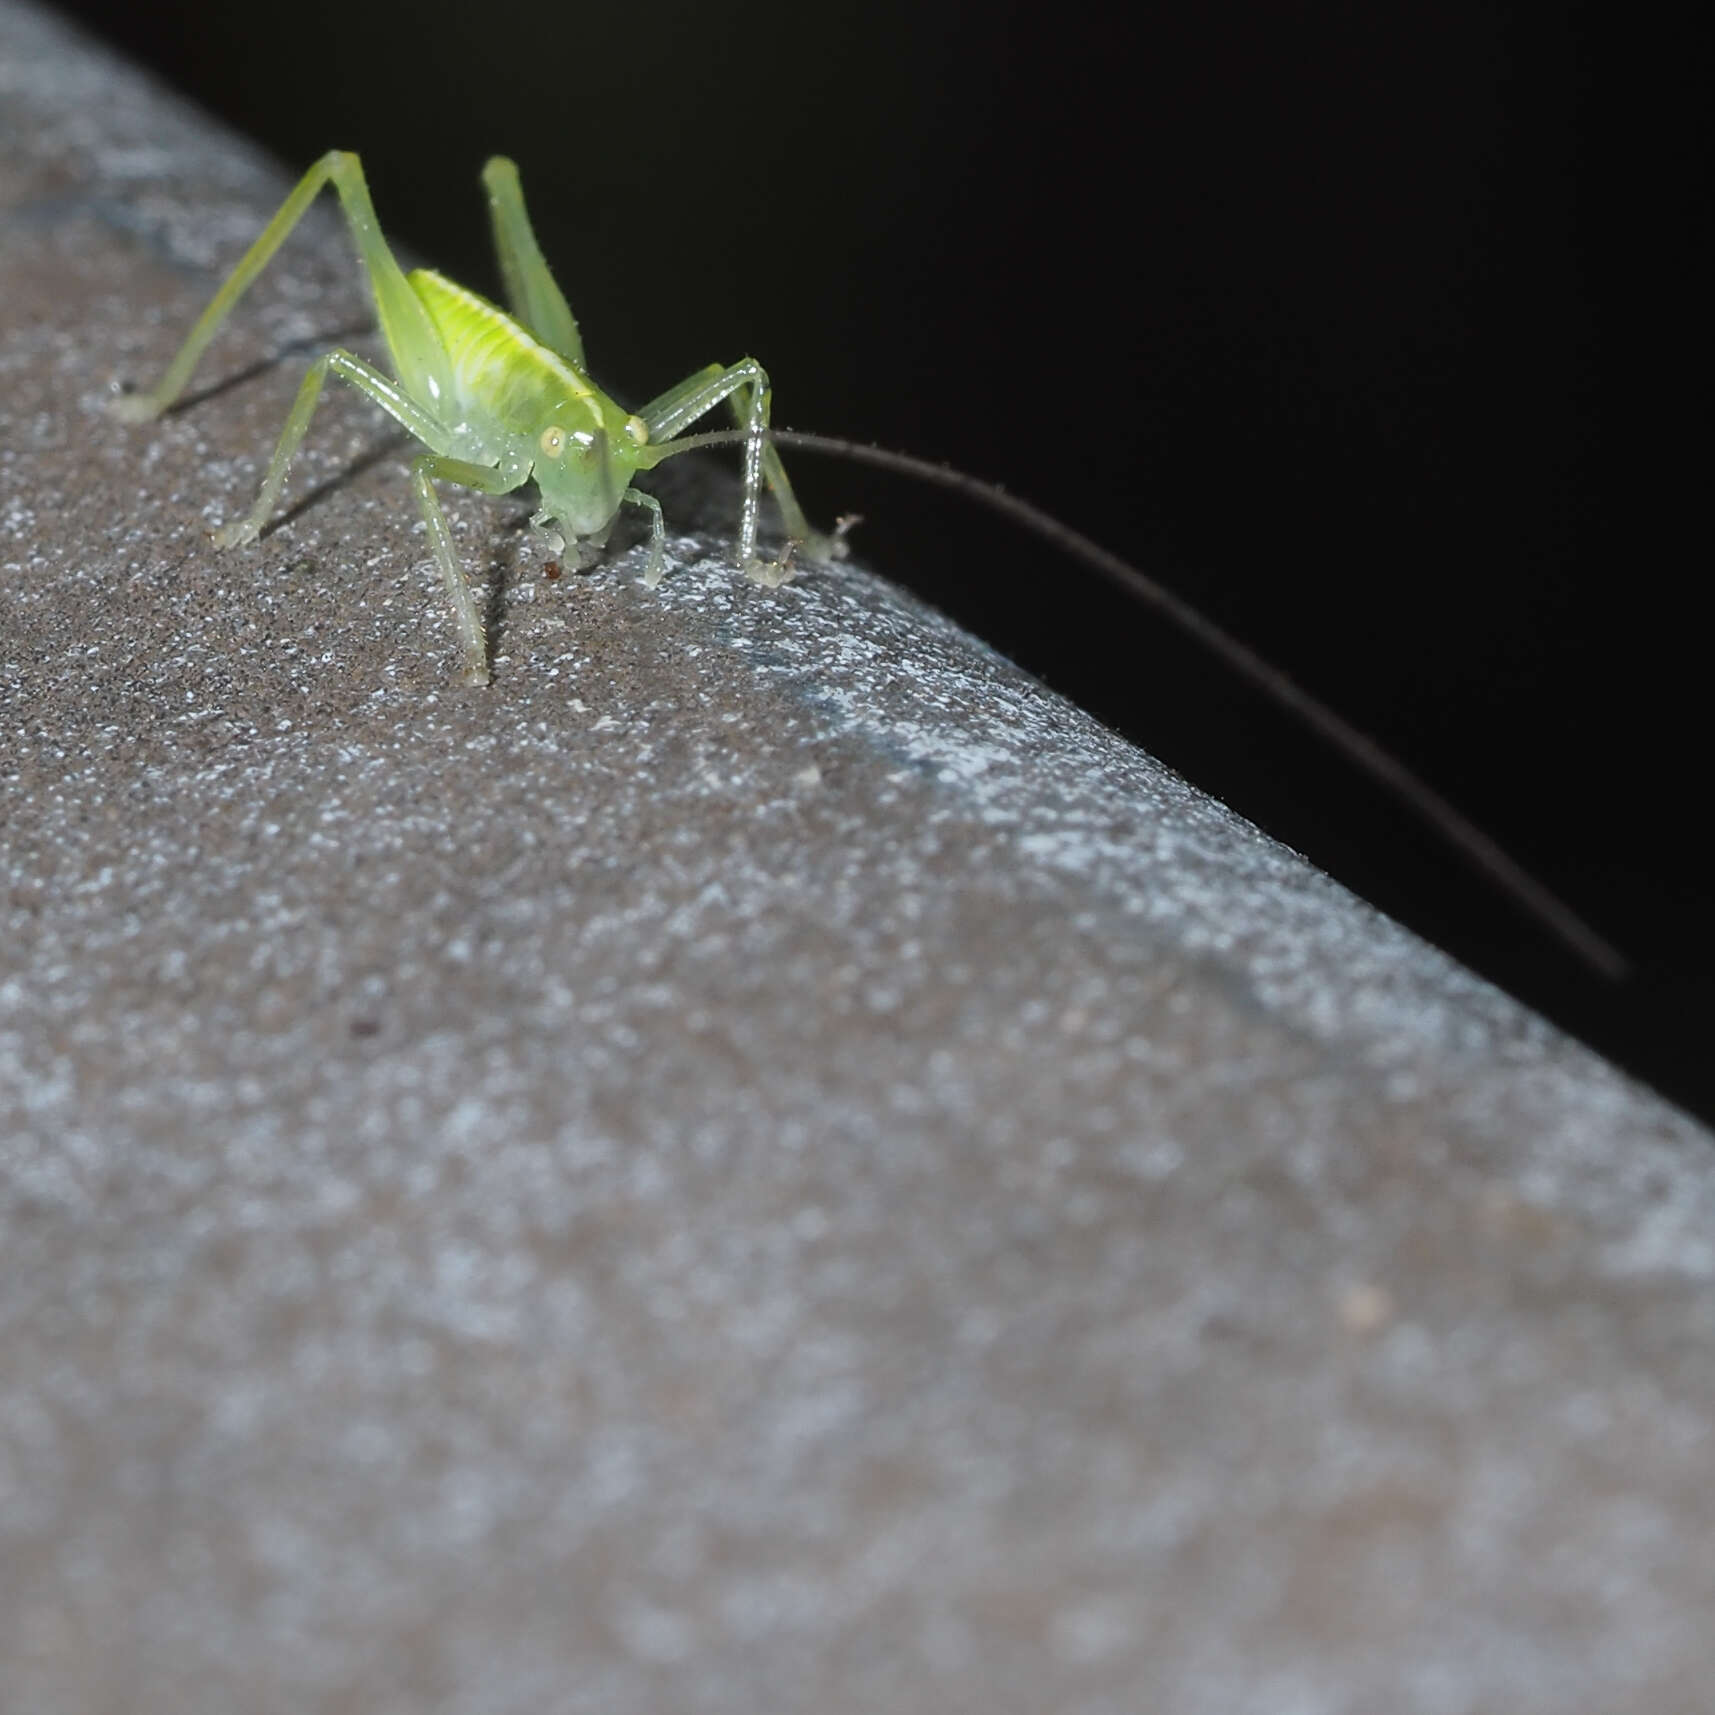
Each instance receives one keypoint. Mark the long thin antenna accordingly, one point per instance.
(1382, 767)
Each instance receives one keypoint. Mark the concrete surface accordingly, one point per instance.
(762, 1163)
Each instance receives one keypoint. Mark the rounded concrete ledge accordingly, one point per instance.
(763, 1162)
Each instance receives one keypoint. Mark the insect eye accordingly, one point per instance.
(553, 441)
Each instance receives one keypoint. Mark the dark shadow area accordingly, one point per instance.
(243, 377)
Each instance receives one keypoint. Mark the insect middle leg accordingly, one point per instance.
(386, 393)
(657, 535)
(399, 405)
(486, 479)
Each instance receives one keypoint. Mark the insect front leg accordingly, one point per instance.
(745, 385)
(669, 410)
(657, 535)
(798, 527)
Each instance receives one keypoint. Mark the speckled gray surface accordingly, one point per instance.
(762, 1163)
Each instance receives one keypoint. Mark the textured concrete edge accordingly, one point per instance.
(127, 164)
(1094, 1251)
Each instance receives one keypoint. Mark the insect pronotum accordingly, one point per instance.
(500, 399)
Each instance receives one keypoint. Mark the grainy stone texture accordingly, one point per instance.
(762, 1163)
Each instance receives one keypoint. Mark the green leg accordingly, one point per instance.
(745, 384)
(405, 410)
(386, 393)
(418, 356)
(657, 534)
(487, 480)
(531, 291)
(669, 410)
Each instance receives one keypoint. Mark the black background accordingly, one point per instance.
(1295, 306)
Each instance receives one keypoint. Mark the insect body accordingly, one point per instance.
(498, 399)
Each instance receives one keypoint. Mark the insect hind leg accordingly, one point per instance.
(418, 355)
(532, 293)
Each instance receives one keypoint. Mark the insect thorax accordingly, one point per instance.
(513, 389)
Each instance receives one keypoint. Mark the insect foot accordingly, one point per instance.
(771, 574)
(237, 535)
(822, 549)
(825, 549)
(133, 408)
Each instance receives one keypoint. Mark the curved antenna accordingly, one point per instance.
(1363, 752)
